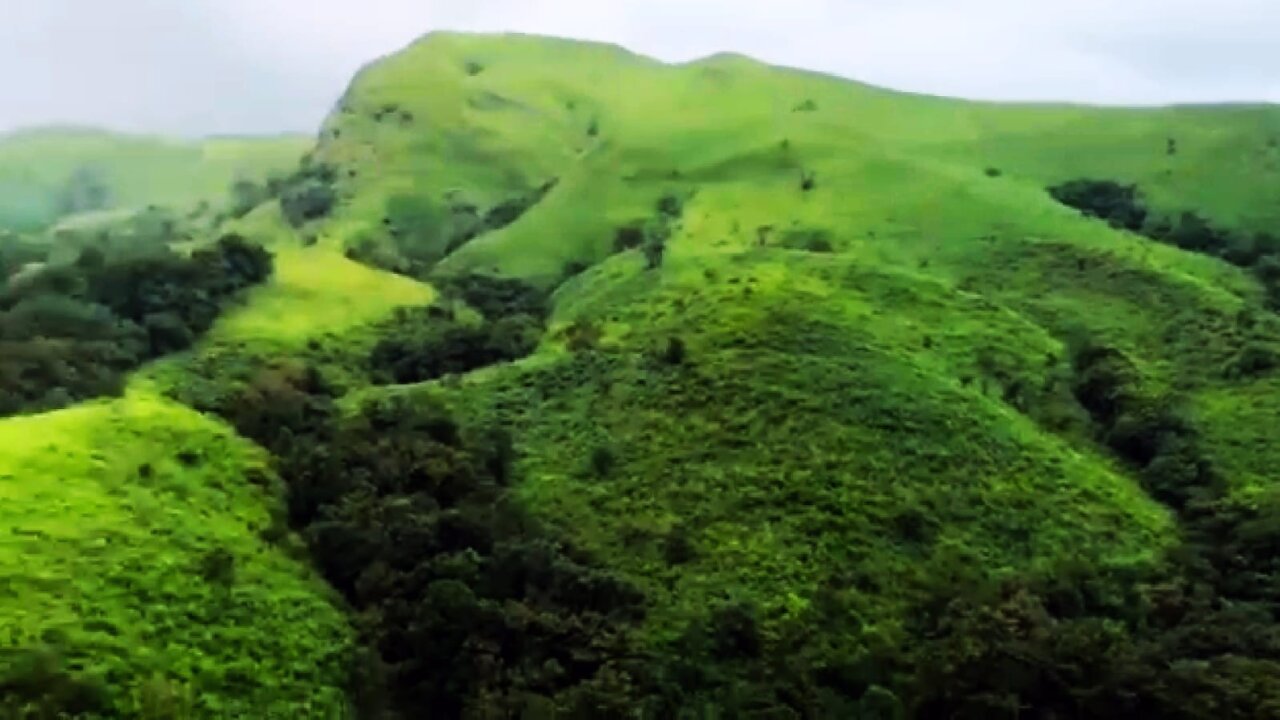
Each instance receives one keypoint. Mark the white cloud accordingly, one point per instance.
(259, 65)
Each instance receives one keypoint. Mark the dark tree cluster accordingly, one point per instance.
(815, 240)
(1117, 204)
(651, 235)
(419, 231)
(309, 193)
(246, 194)
(511, 209)
(427, 343)
(37, 683)
(469, 608)
(1122, 206)
(70, 331)
(495, 297)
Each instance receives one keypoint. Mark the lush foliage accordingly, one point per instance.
(1122, 206)
(426, 343)
(417, 231)
(1118, 204)
(71, 331)
(469, 607)
(308, 194)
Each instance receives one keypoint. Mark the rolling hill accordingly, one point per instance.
(871, 423)
(38, 166)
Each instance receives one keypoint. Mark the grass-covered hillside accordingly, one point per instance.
(48, 174)
(600, 387)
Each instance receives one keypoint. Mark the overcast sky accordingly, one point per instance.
(250, 66)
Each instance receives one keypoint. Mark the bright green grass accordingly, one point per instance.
(317, 304)
(109, 510)
(808, 421)
(826, 395)
(139, 170)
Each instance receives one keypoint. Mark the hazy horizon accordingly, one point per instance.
(277, 66)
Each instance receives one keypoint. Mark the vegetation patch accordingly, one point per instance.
(71, 331)
(808, 240)
(422, 344)
(1122, 206)
(308, 194)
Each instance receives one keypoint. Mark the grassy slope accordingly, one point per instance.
(110, 510)
(828, 395)
(318, 304)
(139, 170)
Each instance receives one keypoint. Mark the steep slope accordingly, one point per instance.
(141, 558)
(39, 170)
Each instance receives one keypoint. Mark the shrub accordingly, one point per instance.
(670, 206)
(218, 567)
(1255, 360)
(427, 343)
(494, 296)
(508, 211)
(602, 461)
(36, 683)
(245, 196)
(628, 238)
(465, 224)
(808, 180)
(308, 194)
(654, 251)
(418, 228)
(809, 240)
(572, 269)
(583, 335)
(674, 351)
(306, 200)
(994, 172)
(73, 330)
(678, 547)
(166, 333)
(472, 607)
(1268, 269)
(808, 105)
(1119, 205)
(735, 631)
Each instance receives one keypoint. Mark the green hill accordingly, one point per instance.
(48, 173)
(831, 410)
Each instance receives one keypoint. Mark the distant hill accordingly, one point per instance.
(48, 173)
(613, 388)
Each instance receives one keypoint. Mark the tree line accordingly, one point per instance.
(71, 330)
(1123, 207)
